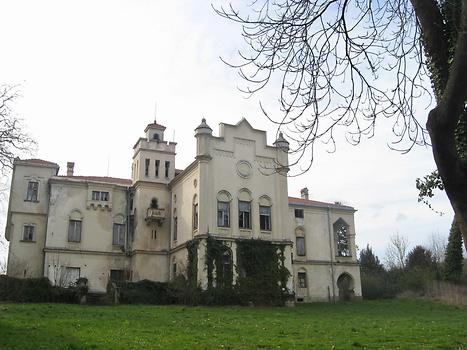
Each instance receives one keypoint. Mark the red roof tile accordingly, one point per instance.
(38, 161)
(114, 180)
(309, 202)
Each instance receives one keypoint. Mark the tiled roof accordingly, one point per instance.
(38, 162)
(155, 126)
(106, 179)
(312, 203)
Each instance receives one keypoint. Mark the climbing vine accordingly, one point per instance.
(192, 268)
(219, 264)
(262, 275)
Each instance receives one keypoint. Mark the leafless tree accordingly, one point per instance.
(396, 251)
(345, 64)
(14, 140)
(437, 245)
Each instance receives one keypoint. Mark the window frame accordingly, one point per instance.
(32, 234)
(223, 214)
(268, 216)
(302, 279)
(32, 192)
(195, 216)
(71, 234)
(175, 234)
(167, 167)
(118, 234)
(244, 217)
(300, 252)
(100, 196)
(147, 162)
(299, 210)
(157, 164)
(343, 249)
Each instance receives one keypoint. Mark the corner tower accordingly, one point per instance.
(153, 157)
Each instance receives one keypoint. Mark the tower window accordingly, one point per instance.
(158, 163)
(146, 167)
(31, 195)
(299, 213)
(167, 166)
(28, 233)
(156, 137)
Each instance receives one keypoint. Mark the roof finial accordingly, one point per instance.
(155, 113)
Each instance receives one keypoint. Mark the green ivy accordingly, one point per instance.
(192, 268)
(218, 257)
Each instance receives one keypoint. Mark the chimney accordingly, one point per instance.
(70, 167)
(304, 193)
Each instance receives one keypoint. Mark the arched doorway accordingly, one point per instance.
(345, 284)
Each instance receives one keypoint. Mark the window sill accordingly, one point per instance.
(74, 242)
(31, 201)
(27, 241)
(245, 230)
(267, 232)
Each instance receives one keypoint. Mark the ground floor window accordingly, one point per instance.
(302, 280)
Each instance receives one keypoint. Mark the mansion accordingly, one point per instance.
(102, 228)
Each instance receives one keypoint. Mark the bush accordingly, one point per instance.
(145, 292)
(378, 285)
(34, 290)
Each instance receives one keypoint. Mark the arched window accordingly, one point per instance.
(195, 212)
(345, 284)
(300, 241)
(302, 279)
(265, 213)
(74, 226)
(244, 209)
(175, 225)
(223, 209)
(341, 234)
(119, 228)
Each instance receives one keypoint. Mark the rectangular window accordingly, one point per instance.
(223, 214)
(146, 167)
(69, 276)
(118, 234)
(175, 228)
(117, 275)
(301, 251)
(195, 216)
(74, 231)
(28, 233)
(299, 213)
(244, 214)
(33, 187)
(156, 171)
(302, 280)
(174, 270)
(100, 196)
(167, 166)
(265, 218)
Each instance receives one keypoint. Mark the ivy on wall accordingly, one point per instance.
(219, 264)
(192, 267)
(262, 275)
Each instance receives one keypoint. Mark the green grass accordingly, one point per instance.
(390, 324)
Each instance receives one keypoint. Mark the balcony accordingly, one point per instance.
(155, 215)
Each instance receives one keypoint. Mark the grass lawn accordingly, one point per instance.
(389, 324)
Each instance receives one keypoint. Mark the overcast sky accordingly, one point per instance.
(90, 73)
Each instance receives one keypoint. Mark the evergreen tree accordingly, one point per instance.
(420, 258)
(454, 261)
(369, 262)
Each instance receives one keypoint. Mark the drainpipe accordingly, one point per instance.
(331, 255)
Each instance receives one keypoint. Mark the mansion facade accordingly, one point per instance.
(64, 226)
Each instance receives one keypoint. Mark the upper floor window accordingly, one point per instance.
(74, 230)
(33, 189)
(167, 167)
(341, 234)
(156, 137)
(157, 165)
(100, 196)
(195, 212)
(28, 233)
(244, 214)
(299, 213)
(265, 218)
(301, 250)
(175, 228)
(146, 166)
(223, 214)
(118, 234)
